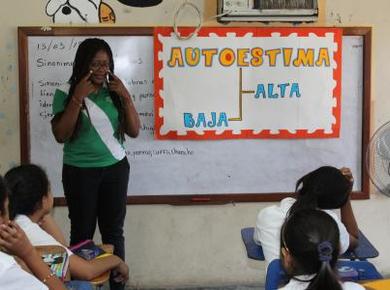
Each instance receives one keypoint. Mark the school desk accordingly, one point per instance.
(363, 251)
(378, 285)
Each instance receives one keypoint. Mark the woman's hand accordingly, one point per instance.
(84, 88)
(14, 240)
(121, 273)
(348, 174)
(117, 86)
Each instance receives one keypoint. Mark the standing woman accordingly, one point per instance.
(91, 117)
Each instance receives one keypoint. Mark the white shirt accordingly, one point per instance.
(298, 285)
(269, 223)
(36, 235)
(13, 277)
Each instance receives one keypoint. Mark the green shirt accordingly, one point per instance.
(88, 149)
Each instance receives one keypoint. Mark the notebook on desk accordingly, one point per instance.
(57, 259)
(87, 250)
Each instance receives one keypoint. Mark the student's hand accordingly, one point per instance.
(84, 88)
(117, 86)
(121, 273)
(14, 240)
(347, 173)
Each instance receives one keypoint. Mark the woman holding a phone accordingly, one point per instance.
(92, 114)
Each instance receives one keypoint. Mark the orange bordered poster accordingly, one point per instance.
(240, 83)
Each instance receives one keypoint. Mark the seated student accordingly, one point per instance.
(324, 188)
(30, 203)
(309, 252)
(15, 242)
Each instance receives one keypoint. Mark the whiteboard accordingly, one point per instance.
(185, 168)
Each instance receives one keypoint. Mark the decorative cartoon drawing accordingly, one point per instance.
(80, 11)
(140, 3)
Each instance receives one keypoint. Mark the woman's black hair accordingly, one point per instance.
(312, 239)
(27, 185)
(3, 196)
(324, 188)
(81, 66)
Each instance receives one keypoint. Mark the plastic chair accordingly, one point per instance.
(253, 250)
(361, 270)
(275, 275)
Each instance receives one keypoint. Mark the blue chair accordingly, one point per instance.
(348, 270)
(253, 250)
(275, 275)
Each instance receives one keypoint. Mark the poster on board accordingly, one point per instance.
(237, 83)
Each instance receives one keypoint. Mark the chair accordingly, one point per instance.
(364, 271)
(275, 275)
(253, 250)
(363, 251)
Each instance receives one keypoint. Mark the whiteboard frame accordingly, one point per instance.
(25, 32)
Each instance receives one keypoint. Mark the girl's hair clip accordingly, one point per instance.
(325, 251)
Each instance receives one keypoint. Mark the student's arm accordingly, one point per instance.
(131, 115)
(14, 240)
(347, 215)
(87, 270)
(48, 224)
(63, 124)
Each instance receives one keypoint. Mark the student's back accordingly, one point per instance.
(325, 188)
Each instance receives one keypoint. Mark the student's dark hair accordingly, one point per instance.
(312, 239)
(324, 188)
(3, 195)
(81, 66)
(27, 185)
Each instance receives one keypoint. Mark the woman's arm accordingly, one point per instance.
(131, 116)
(48, 224)
(63, 124)
(14, 240)
(347, 215)
(348, 219)
(87, 270)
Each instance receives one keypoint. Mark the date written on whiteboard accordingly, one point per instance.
(58, 45)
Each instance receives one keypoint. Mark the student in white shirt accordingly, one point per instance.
(309, 252)
(325, 188)
(30, 205)
(15, 242)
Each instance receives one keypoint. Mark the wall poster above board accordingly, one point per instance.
(266, 73)
(188, 172)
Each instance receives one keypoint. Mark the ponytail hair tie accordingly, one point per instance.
(325, 251)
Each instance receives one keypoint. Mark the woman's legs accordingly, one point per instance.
(98, 193)
(112, 208)
(81, 186)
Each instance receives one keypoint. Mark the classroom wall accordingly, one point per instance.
(199, 245)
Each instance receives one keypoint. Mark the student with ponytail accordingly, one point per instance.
(325, 188)
(309, 252)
